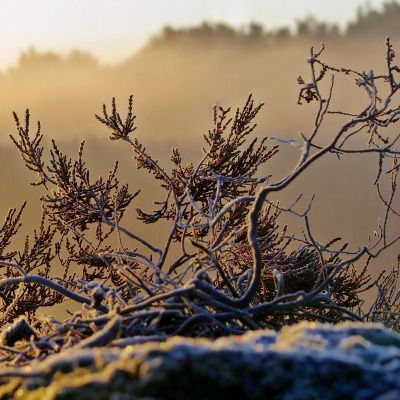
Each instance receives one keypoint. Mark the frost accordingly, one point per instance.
(304, 361)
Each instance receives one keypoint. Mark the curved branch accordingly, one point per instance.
(51, 285)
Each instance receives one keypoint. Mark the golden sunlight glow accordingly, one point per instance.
(114, 30)
(58, 50)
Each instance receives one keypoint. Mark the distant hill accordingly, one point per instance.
(186, 69)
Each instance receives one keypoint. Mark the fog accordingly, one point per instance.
(175, 87)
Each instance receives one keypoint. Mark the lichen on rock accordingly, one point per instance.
(303, 361)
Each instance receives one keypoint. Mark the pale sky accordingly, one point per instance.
(114, 29)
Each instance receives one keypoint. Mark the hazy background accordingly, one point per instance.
(64, 59)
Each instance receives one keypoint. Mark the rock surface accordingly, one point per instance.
(306, 361)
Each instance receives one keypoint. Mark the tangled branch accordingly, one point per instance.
(237, 269)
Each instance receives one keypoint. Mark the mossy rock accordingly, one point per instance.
(304, 361)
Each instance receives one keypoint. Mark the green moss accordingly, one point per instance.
(248, 367)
